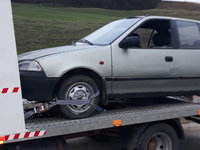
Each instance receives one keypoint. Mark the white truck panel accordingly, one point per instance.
(11, 107)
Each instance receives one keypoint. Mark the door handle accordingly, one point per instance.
(169, 59)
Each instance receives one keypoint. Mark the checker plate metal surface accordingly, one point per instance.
(131, 115)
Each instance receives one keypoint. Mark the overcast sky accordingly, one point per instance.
(198, 1)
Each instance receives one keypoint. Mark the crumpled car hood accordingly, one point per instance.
(50, 51)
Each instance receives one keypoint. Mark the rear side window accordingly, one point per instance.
(189, 34)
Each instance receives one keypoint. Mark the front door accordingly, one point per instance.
(150, 66)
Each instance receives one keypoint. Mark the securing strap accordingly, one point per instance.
(82, 102)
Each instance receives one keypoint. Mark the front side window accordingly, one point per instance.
(154, 34)
(189, 35)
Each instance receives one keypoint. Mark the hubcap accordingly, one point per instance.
(79, 91)
(159, 141)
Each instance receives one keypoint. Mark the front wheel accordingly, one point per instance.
(78, 87)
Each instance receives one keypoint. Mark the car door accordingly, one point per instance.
(145, 70)
(189, 54)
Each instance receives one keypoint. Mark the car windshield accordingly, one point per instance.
(110, 32)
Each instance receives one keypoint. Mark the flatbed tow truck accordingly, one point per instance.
(148, 124)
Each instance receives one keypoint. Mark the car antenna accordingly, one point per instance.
(147, 15)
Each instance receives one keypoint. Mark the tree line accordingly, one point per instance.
(108, 4)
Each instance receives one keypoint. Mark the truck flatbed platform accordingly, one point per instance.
(135, 113)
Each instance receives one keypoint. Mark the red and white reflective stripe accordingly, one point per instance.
(9, 90)
(25, 135)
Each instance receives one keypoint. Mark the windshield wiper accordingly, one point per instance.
(85, 41)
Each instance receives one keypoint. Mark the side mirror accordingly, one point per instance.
(131, 41)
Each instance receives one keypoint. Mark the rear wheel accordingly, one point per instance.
(158, 136)
(79, 87)
(159, 141)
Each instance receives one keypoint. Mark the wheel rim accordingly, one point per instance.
(79, 91)
(159, 141)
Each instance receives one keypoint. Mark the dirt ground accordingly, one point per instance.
(179, 5)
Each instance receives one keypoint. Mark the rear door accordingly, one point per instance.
(189, 54)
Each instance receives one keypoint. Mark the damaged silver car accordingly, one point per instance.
(133, 57)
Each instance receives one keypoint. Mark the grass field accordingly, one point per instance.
(42, 26)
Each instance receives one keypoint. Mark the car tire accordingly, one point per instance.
(78, 87)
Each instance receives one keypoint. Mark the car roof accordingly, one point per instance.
(165, 17)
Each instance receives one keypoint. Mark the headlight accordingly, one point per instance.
(29, 65)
